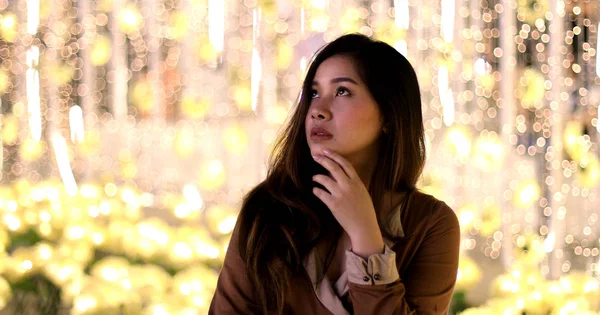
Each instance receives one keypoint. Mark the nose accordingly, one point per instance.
(320, 112)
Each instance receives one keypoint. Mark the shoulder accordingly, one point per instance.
(437, 213)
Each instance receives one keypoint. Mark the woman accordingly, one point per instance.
(338, 227)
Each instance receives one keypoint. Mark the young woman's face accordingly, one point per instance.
(342, 116)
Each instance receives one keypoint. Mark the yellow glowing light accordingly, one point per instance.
(204, 50)
(8, 28)
(243, 97)
(527, 193)
(488, 153)
(90, 144)
(531, 89)
(195, 108)
(75, 233)
(101, 50)
(467, 216)
(179, 24)
(185, 141)
(5, 292)
(460, 141)
(4, 241)
(60, 73)
(32, 150)
(532, 10)
(487, 81)
(143, 97)
(130, 19)
(235, 139)
(589, 171)
(212, 175)
(192, 196)
(12, 222)
(575, 144)
(221, 218)
(468, 274)
(182, 250)
(4, 81)
(226, 226)
(529, 250)
(319, 22)
(182, 211)
(10, 128)
(285, 54)
(319, 4)
(349, 22)
(277, 114)
(84, 303)
(490, 220)
(44, 251)
(8, 22)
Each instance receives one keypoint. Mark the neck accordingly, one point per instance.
(364, 170)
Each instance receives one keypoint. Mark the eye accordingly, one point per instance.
(342, 91)
(313, 93)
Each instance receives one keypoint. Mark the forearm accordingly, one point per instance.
(367, 243)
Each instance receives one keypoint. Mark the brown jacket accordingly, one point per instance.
(415, 275)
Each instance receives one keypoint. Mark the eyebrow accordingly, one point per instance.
(338, 80)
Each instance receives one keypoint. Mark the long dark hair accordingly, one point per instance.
(281, 220)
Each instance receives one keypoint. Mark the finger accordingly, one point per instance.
(323, 195)
(327, 182)
(333, 167)
(345, 165)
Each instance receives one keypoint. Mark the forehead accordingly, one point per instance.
(336, 66)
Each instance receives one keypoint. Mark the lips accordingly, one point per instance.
(318, 133)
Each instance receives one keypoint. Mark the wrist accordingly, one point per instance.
(365, 245)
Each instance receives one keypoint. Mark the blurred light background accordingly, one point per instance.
(130, 131)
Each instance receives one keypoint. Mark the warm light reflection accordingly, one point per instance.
(216, 23)
(64, 165)
(76, 124)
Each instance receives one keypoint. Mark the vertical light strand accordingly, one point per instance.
(557, 226)
(401, 16)
(302, 21)
(32, 75)
(446, 98)
(256, 75)
(154, 75)
(506, 107)
(64, 167)
(33, 16)
(87, 88)
(76, 124)
(1, 144)
(402, 21)
(598, 54)
(447, 31)
(448, 15)
(32, 79)
(216, 24)
(118, 63)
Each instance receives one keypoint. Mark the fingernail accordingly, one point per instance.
(326, 151)
(315, 157)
